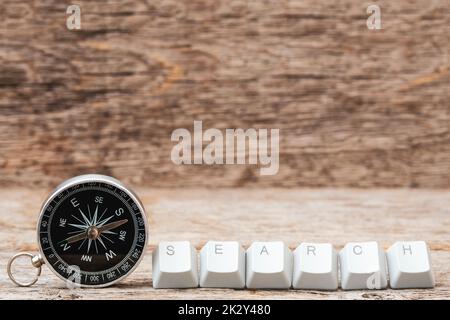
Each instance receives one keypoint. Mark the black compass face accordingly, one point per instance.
(92, 233)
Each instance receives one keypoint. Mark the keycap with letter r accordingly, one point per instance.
(409, 265)
(175, 265)
(363, 266)
(315, 267)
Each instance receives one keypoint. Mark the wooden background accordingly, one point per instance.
(355, 107)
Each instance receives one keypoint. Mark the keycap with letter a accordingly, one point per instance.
(222, 265)
(175, 265)
(409, 265)
(269, 265)
(363, 266)
(315, 267)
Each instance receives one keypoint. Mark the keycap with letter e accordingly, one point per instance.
(315, 267)
(175, 265)
(363, 266)
(269, 265)
(410, 265)
(222, 265)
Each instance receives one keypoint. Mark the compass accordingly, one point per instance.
(92, 231)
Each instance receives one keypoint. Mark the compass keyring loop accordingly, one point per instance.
(36, 261)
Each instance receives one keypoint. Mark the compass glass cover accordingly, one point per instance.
(92, 233)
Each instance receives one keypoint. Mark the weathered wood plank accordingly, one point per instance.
(335, 216)
(355, 107)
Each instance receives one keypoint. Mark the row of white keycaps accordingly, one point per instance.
(272, 265)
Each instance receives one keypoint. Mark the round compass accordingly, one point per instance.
(92, 231)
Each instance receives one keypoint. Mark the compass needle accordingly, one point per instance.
(75, 238)
(72, 232)
(112, 225)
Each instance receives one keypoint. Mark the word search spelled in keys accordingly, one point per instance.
(312, 266)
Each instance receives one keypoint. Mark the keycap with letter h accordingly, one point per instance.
(272, 265)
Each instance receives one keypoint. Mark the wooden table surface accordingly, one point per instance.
(291, 215)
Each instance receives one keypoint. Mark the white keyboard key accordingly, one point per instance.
(175, 265)
(363, 266)
(315, 267)
(409, 265)
(222, 265)
(269, 265)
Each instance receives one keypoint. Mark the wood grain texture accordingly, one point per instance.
(356, 108)
(293, 216)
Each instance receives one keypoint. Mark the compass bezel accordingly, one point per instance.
(87, 178)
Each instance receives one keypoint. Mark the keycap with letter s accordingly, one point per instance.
(175, 265)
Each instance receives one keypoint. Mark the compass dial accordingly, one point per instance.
(92, 231)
